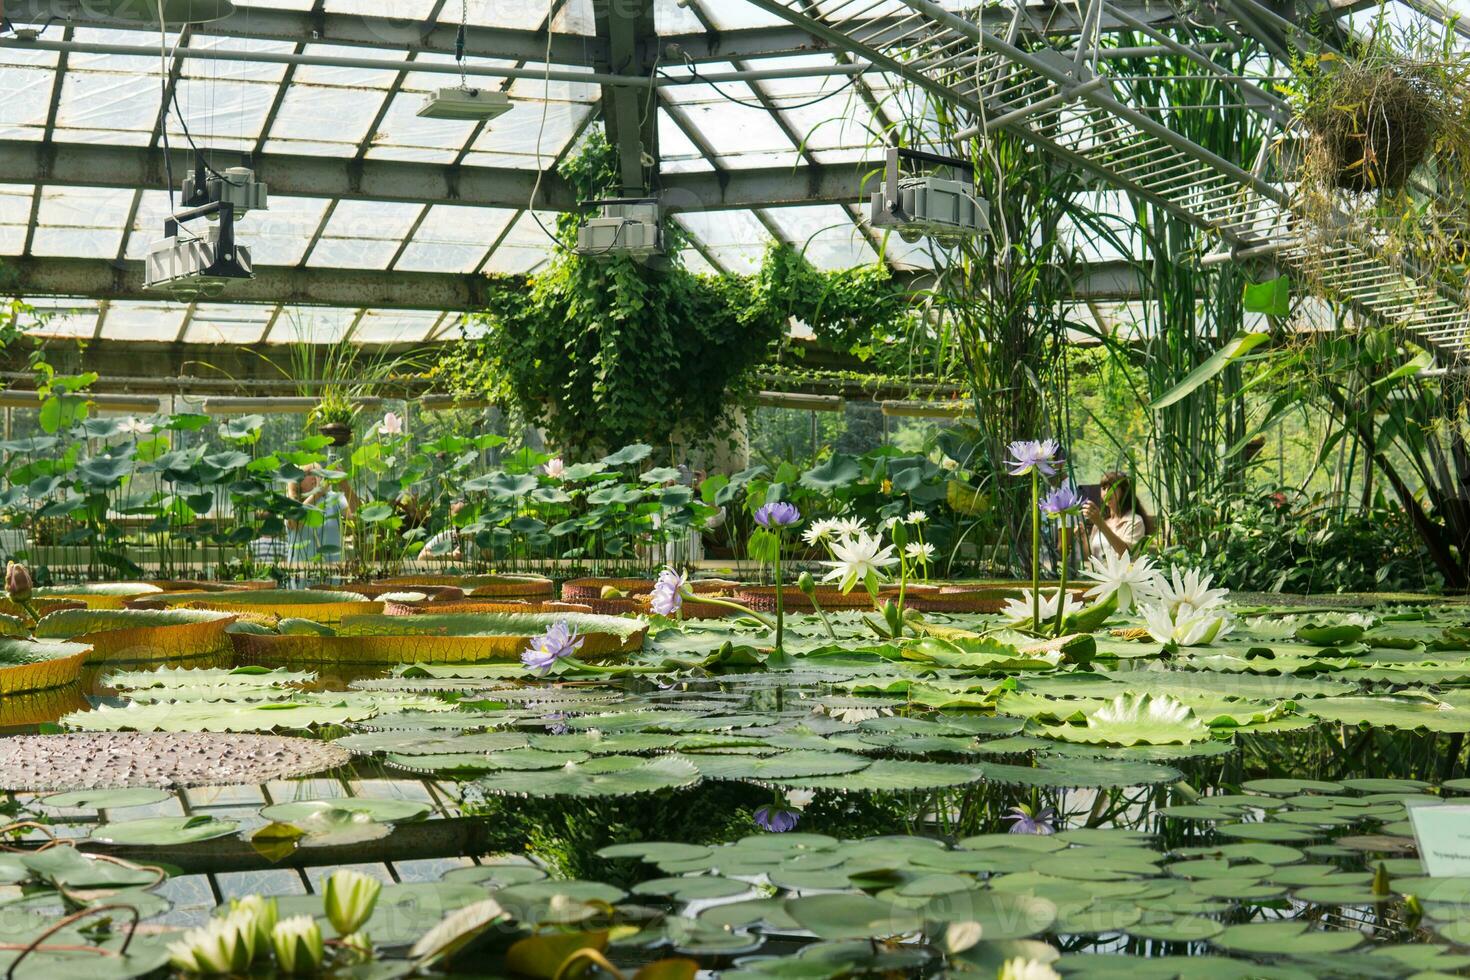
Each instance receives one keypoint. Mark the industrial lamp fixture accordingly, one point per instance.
(929, 206)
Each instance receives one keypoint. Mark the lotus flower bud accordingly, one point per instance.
(298, 945)
(807, 584)
(349, 899)
(18, 583)
(262, 911)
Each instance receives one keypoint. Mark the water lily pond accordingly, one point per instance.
(374, 784)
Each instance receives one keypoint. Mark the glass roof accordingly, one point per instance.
(368, 113)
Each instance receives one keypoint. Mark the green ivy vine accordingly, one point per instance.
(604, 352)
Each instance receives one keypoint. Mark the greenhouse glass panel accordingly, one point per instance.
(228, 323)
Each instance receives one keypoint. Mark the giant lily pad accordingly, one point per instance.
(139, 634)
(443, 638)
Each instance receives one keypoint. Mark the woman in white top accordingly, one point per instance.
(1126, 523)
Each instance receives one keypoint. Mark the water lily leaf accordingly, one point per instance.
(784, 765)
(605, 776)
(690, 889)
(1290, 937)
(892, 775)
(1080, 772)
(852, 916)
(308, 811)
(68, 867)
(106, 799)
(164, 831)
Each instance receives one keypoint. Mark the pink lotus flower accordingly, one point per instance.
(391, 425)
(555, 467)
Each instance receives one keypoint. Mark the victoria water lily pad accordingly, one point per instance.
(34, 665)
(140, 634)
(451, 638)
(116, 761)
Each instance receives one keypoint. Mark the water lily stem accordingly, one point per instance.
(780, 605)
(727, 604)
(1064, 535)
(1035, 550)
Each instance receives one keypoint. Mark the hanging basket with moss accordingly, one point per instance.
(1372, 124)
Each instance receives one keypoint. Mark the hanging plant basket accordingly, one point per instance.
(1371, 126)
(339, 432)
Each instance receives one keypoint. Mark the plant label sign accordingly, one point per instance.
(1443, 834)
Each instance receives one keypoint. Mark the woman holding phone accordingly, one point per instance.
(1120, 524)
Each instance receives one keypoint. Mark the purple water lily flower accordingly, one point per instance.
(776, 819)
(556, 723)
(778, 515)
(1044, 822)
(668, 593)
(1031, 454)
(556, 643)
(1062, 502)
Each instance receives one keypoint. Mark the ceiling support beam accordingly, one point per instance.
(427, 36)
(107, 280)
(101, 165)
(627, 27)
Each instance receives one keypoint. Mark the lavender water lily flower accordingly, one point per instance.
(1064, 501)
(1043, 822)
(668, 593)
(555, 644)
(776, 819)
(1033, 456)
(777, 515)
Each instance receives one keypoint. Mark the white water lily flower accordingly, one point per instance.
(919, 551)
(222, 945)
(859, 559)
(849, 527)
(1023, 969)
(263, 911)
(1019, 610)
(1192, 588)
(1133, 579)
(916, 517)
(1188, 627)
(349, 899)
(298, 945)
(888, 523)
(817, 531)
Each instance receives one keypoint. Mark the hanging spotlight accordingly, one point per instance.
(627, 226)
(191, 265)
(927, 206)
(462, 101)
(465, 103)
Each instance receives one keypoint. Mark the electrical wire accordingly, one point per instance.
(694, 79)
(541, 129)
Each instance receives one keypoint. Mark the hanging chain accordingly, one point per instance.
(459, 38)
